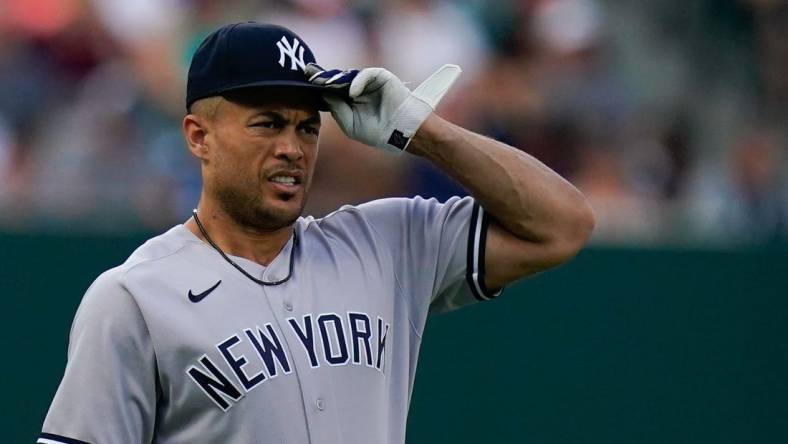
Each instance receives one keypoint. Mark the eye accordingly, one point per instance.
(270, 124)
(311, 130)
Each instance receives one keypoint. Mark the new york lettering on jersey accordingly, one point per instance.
(332, 331)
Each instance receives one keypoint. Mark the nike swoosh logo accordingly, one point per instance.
(200, 296)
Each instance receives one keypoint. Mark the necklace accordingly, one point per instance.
(238, 267)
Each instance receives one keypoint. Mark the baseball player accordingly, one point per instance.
(251, 323)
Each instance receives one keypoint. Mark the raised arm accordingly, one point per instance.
(539, 219)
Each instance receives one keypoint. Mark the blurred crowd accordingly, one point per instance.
(669, 115)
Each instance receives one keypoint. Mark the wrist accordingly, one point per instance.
(433, 133)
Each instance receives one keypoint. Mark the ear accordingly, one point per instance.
(195, 131)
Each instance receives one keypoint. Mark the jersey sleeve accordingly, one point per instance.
(108, 392)
(438, 248)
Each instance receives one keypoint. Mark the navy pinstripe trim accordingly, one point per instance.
(51, 437)
(477, 242)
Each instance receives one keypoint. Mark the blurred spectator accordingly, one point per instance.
(336, 36)
(746, 200)
(772, 19)
(623, 215)
(416, 37)
(647, 107)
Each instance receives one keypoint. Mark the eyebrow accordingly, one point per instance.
(279, 118)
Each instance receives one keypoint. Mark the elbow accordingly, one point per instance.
(584, 223)
(564, 236)
(581, 225)
(577, 229)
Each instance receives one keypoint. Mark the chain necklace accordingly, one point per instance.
(238, 267)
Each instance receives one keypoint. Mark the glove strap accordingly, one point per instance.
(408, 118)
(418, 106)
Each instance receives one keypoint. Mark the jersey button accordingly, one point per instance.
(320, 404)
(288, 306)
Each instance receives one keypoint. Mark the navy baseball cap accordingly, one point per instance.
(249, 55)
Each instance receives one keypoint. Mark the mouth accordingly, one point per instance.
(286, 182)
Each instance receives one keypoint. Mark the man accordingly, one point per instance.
(251, 323)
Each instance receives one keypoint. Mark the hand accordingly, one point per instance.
(379, 109)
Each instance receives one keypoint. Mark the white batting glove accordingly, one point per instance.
(380, 110)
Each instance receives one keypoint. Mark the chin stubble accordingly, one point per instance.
(249, 210)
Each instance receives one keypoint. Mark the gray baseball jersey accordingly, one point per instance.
(177, 346)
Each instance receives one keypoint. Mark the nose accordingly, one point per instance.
(288, 146)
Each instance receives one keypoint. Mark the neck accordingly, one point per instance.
(260, 246)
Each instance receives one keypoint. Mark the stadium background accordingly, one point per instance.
(669, 115)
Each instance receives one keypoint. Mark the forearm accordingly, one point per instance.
(523, 195)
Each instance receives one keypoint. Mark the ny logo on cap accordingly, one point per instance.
(285, 49)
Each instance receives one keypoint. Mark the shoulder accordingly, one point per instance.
(110, 297)
(160, 247)
(106, 306)
(154, 250)
(387, 223)
(381, 211)
(404, 205)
